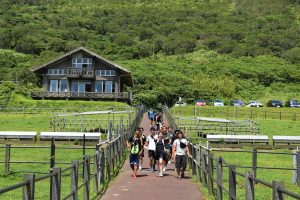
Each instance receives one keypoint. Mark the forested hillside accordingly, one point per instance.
(190, 48)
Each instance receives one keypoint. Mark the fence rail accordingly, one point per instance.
(205, 167)
(107, 160)
(209, 171)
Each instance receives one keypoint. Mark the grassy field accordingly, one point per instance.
(268, 126)
(25, 154)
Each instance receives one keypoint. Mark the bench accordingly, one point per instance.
(286, 139)
(69, 136)
(238, 138)
(17, 135)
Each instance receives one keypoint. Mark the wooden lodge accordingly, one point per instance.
(82, 74)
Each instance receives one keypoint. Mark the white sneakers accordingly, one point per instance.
(140, 167)
(160, 174)
(164, 169)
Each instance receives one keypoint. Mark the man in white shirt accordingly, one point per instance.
(180, 152)
(151, 144)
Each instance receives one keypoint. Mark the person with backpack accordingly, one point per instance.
(180, 153)
(160, 154)
(167, 141)
(135, 145)
(159, 120)
(143, 139)
(151, 144)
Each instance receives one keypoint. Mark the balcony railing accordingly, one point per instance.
(81, 95)
(80, 72)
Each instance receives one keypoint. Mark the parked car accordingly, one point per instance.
(237, 103)
(218, 102)
(200, 102)
(180, 103)
(292, 104)
(275, 103)
(254, 104)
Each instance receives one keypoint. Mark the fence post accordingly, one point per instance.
(280, 115)
(107, 163)
(204, 171)
(210, 173)
(28, 189)
(86, 177)
(7, 159)
(96, 172)
(110, 131)
(219, 179)
(52, 154)
(298, 167)
(232, 182)
(102, 165)
(83, 154)
(198, 164)
(249, 185)
(74, 180)
(277, 195)
(55, 184)
(254, 161)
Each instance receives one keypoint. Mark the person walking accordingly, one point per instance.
(167, 141)
(135, 145)
(180, 152)
(143, 139)
(151, 144)
(160, 154)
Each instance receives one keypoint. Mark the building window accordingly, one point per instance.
(57, 71)
(105, 86)
(58, 85)
(105, 72)
(53, 86)
(81, 86)
(63, 85)
(82, 62)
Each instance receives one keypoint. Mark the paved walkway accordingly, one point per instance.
(148, 186)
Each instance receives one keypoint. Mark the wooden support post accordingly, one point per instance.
(232, 182)
(7, 160)
(254, 161)
(28, 189)
(52, 154)
(74, 180)
(86, 177)
(276, 194)
(102, 165)
(249, 185)
(210, 173)
(110, 131)
(55, 184)
(204, 168)
(298, 167)
(198, 163)
(96, 172)
(219, 179)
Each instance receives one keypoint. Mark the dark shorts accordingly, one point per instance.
(180, 162)
(151, 154)
(160, 155)
(134, 159)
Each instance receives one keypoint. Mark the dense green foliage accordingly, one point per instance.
(194, 49)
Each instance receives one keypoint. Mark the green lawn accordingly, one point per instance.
(271, 125)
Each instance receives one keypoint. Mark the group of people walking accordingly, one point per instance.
(164, 146)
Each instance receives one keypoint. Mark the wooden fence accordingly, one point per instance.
(209, 171)
(231, 112)
(107, 159)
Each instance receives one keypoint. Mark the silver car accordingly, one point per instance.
(254, 104)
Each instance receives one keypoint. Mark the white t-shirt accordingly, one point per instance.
(151, 142)
(179, 150)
